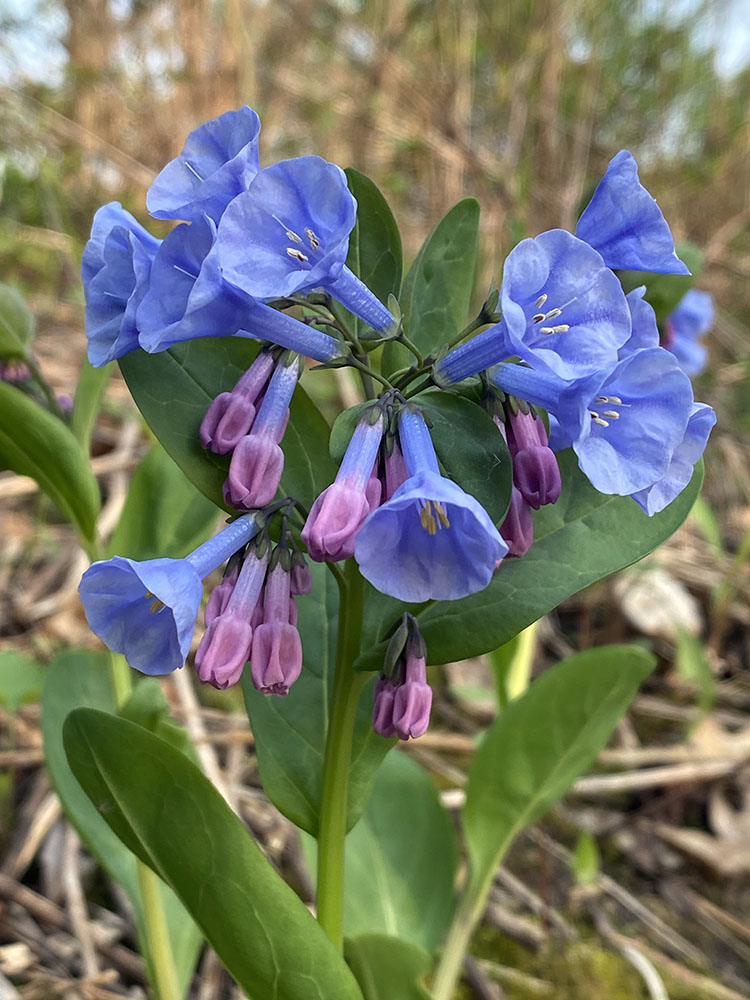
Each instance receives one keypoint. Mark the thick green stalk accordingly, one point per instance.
(347, 686)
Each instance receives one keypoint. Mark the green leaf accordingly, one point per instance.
(664, 291)
(540, 743)
(582, 538)
(173, 390)
(90, 389)
(401, 859)
(164, 514)
(21, 679)
(16, 324)
(148, 707)
(163, 807)
(291, 732)
(375, 243)
(34, 443)
(436, 293)
(387, 968)
(471, 449)
(77, 678)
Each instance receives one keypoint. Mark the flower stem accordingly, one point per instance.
(467, 916)
(166, 986)
(160, 947)
(347, 686)
(45, 387)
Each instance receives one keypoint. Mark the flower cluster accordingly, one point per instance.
(561, 336)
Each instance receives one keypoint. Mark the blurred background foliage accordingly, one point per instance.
(520, 103)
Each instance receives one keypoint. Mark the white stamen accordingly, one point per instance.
(602, 423)
(541, 300)
(553, 313)
(539, 317)
(297, 254)
(563, 328)
(183, 271)
(612, 414)
(314, 241)
(293, 236)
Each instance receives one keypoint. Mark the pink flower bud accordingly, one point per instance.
(254, 472)
(276, 657)
(224, 650)
(518, 528)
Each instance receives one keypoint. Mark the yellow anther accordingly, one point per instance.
(426, 517)
(440, 511)
(157, 606)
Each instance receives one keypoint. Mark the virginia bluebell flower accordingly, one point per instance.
(276, 656)
(290, 233)
(218, 161)
(680, 469)
(340, 510)
(624, 424)
(188, 298)
(402, 696)
(115, 269)
(563, 312)
(258, 461)
(623, 222)
(147, 610)
(692, 318)
(431, 540)
(225, 647)
(231, 414)
(644, 332)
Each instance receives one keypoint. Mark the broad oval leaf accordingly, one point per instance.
(582, 538)
(21, 679)
(167, 812)
(164, 514)
(436, 292)
(35, 443)
(291, 732)
(16, 324)
(401, 859)
(78, 678)
(540, 743)
(173, 390)
(375, 254)
(387, 968)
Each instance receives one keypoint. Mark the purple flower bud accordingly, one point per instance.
(518, 529)
(341, 509)
(301, 577)
(258, 461)
(15, 372)
(411, 709)
(231, 414)
(224, 650)
(382, 712)
(525, 430)
(226, 643)
(537, 476)
(220, 595)
(277, 648)
(65, 403)
(276, 657)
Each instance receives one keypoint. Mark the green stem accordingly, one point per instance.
(160, 947)
(347, 686)
(467, 916)
(157, 933)
(46, 388)
(475, 324)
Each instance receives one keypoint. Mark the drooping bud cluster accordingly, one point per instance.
(403, 698)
